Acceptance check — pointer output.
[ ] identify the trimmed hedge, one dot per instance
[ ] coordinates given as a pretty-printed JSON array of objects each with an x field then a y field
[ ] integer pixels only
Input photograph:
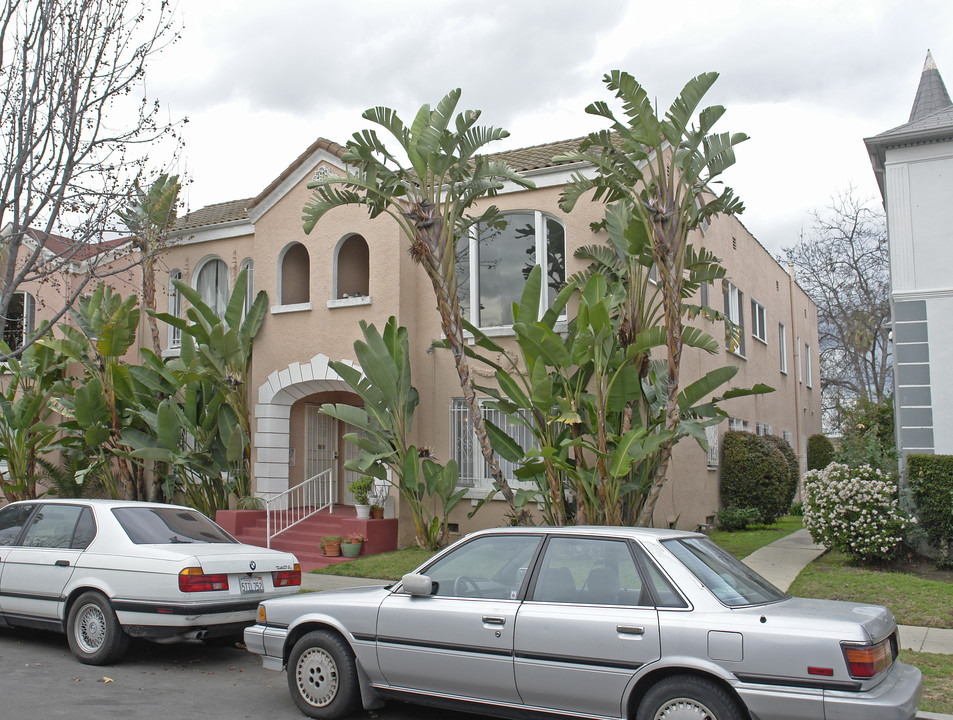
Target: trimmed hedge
[
  {"x": 931, "y": 479},
  {"x": 794, "y": 467},
  {"x": 820, "y": 452},
  {"x": 754, "y": 474}
]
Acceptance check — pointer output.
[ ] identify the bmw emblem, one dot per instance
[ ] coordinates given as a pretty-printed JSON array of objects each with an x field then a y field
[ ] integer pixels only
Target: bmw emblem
[{"x": 252, "y": 565}]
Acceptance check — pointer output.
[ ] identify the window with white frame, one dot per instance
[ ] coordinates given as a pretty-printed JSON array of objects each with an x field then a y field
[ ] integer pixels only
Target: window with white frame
[
  {"x": 788, "y": 437},
  {"x": 20, "y": 320},
  {"x": 762, "y": 428},
  {"x": 807, "y": 364},
  {"x": 175, "y": 308},
  {"x": 734, "y": 310},
  {"x": 711, "y": 435},
  {"x": 464, "y": 448},
  {"x": 759, "y": 327},
  {"x": 738, "y": 424},
  {"x": 800, "y": 360},
  {"x": 783, "y": 347},
  {"x": 493, "y": 264},
  {"x": 211, "y": 282}
]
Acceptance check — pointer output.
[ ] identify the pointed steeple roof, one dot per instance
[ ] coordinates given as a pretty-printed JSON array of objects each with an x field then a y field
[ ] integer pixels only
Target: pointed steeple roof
[{"x": 931, "y": 94}]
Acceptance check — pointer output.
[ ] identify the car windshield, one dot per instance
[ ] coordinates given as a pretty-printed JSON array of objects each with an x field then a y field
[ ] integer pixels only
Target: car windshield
[
  {"x": 163, "y": 526},
  {"x": 726, "y": 577}
]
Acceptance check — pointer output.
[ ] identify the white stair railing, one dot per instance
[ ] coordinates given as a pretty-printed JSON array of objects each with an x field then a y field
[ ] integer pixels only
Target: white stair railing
[{"x": 299, "y": 503}]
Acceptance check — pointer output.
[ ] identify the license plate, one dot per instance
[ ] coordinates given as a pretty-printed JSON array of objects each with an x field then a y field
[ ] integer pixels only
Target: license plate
[{"x": 251, "y": 585}]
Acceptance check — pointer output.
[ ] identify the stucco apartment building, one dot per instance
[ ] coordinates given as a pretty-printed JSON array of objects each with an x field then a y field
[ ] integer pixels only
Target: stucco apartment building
[{"x": 351, "y": 268}]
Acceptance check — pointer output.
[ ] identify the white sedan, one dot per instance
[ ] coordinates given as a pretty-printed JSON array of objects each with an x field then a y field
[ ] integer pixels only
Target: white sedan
[{"x": 103, "y": 571}]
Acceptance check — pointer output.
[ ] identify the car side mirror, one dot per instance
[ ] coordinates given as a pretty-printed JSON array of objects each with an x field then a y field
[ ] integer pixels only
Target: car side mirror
[{"x": 417, "y": 585}]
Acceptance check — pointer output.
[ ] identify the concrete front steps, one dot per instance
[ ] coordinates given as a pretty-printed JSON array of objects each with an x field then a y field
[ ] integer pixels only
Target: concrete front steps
[{"x": 304, "y": 538}]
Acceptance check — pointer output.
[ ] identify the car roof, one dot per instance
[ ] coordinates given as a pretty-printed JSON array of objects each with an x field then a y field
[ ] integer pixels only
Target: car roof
[
  {"x": 639, "y": 533},
  {"x": 98, "y": 502}
]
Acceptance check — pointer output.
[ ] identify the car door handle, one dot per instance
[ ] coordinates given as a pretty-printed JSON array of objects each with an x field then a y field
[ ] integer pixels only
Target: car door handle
[
  {"x": 494, "y": 620},
  {"x": 62, "y": 563},
  {"x": 630, "y": 629}
]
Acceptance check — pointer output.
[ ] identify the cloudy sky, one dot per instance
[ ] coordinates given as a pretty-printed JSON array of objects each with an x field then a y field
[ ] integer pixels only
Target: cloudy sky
[{"x": 807, "y": 80}]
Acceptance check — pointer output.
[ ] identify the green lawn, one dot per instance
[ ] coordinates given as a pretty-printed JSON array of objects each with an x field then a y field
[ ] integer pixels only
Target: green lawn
[
  {"x": 937, "y": 680},
  {"x": 742, "y": 543},
  {"x": 912, "y": 600},
  {"x": 386, "y": 566}
]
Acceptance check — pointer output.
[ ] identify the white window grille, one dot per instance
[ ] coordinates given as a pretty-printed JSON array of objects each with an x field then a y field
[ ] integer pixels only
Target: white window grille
[
  {"x": 788, "y": 437},
  {"x": 711, "y": 435},
  {"x": 800, "y": 360},
  {"x": 464, "y": 448},
  {"x": 175, "y": 309},
  {"x": 807, "y": 364},
  {"x": 738, "y": 424},
  {"x": 762, "y": 428}
]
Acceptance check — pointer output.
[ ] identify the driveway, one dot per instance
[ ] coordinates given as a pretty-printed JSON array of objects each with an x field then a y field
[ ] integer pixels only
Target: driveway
[{"x": 39, "y": 678}]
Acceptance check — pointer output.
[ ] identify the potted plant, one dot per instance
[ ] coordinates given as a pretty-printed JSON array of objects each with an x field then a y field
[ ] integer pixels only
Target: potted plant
[
  {"x": 377, "y": 511},
  {"x": 331, "y": 545},
  {"x": 352, "y": 543},
  {"x": 361, "y": 489}
]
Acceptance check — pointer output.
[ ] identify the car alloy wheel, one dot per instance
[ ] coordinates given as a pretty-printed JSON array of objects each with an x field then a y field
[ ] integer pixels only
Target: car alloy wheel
[
  {"x": 322, "y": 676},
  {"x": 317, "y": 676},
  {"x": 94, "y": 634},
  {"x": 688, "y": 697}
]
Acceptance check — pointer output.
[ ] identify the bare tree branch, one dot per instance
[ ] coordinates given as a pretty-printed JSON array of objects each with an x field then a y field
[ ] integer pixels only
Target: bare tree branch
[
  {"x": 76, "y": 128},
  {"x": 843, "y": 265}
]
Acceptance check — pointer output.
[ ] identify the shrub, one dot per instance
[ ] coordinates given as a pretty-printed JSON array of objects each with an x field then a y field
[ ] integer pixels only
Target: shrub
[
  {"x": 735, "y": 518},
  {"x": 820, "y": 452},
  {"x": 797, "y": 509},
  {"x": 794, "y": 467},
  {"x": 930, "y": 478},
  {"x": 754, "y": 474},
  {"x": 854, "y": 511}
]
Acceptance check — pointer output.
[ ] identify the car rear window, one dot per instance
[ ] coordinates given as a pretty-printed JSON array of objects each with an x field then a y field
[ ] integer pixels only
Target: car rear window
[
  {"x": 163, "y": 526},
  {"x": 732, "y": 582}
]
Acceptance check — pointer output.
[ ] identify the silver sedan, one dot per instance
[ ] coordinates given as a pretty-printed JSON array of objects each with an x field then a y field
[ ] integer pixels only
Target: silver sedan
[
  {"x": 591, "y": 621},
  {"x": 105, "y": 570}
]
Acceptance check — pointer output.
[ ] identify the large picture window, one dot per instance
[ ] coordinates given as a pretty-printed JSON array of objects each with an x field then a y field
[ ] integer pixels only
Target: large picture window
[{"x": 493, "y": 265}]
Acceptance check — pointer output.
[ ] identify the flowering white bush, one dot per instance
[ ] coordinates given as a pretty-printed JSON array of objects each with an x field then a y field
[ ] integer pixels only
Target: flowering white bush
[{"x": 854, "y": 511}]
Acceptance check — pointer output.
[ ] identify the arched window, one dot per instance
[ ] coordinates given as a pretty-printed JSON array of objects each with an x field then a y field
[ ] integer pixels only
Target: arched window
[
  {"x": 294, "y": 280},
  {"x": 20, "y": 321},
  {"x": 493, "y": 264},
  {"x": 212, "y": 284},
  {"x": 351, "y": 273},
  {"x": 175, "y": 308}
]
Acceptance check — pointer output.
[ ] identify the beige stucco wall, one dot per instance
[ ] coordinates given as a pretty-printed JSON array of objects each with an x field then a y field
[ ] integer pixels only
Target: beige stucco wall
[{"x": 292, "y": 347}]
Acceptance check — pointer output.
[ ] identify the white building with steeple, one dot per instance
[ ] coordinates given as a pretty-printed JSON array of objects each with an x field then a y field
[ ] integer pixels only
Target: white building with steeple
[{"x": 914, "y": 167}]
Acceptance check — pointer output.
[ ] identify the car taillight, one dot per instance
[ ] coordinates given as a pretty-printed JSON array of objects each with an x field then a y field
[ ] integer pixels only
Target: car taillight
[
  {"x": 194, "y": 579},
  {"x": 865, "y": 661},
  {"x": 286, "y": 578}
]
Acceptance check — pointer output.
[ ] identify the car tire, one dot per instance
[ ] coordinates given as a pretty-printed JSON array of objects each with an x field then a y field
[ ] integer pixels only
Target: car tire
[
  {"x": 688, "y": 696},
  {"x": 322, "y": 676},
  {"x": 94, "y": 634}
]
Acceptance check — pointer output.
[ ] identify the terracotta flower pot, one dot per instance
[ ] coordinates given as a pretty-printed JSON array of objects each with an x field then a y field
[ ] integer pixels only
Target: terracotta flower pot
[
  {"x": 377, "y": 513},
  {"x": 332, "y": 549}
]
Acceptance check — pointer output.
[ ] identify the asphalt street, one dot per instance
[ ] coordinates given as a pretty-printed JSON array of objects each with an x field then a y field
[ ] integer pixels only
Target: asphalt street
[{"x": 40, "y": 680}]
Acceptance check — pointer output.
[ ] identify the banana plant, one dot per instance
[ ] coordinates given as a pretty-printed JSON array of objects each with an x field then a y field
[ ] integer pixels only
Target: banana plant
[
  {"x": 431, "y": 200},
  {"x": 27, "y": 433},
  {"x": 212, "y": 408},
  {"x": 664, "y": 170},
  {"x": 102, "y": 404},
  {"x": 383, "y": 383}
]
